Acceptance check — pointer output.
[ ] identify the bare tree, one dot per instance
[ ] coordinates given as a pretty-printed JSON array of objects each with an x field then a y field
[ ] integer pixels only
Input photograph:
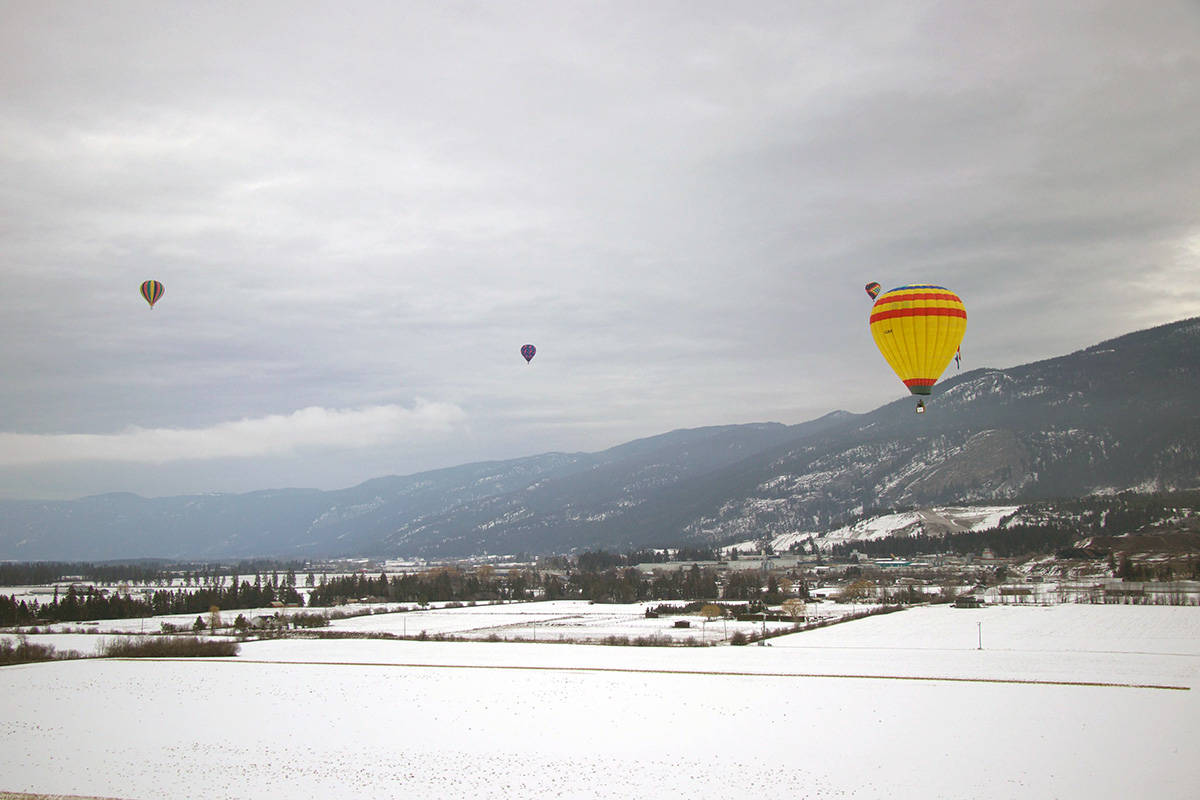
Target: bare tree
[
  {"x": 795, "y": 608},
  {"x": 710, "y": 612}
]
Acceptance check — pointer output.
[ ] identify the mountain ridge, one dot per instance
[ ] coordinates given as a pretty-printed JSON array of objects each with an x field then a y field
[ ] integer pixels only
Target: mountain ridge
[{"x": 1120, "y": 414}]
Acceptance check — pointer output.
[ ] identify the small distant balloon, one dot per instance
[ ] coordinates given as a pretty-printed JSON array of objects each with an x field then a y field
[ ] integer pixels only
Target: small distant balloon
[
  {"x": 528, "y": 351},
  {"x": 152, "y": 291},
  {"x": 873, "y": 289}
]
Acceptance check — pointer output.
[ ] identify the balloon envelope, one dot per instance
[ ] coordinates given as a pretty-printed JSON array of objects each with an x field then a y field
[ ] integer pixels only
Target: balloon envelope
[
  {"x": 152, "y": 291},
  {"x": 528, "y": 350},
  {"x": 873, "y": 289},
  {"x": 918, "y": 329}
]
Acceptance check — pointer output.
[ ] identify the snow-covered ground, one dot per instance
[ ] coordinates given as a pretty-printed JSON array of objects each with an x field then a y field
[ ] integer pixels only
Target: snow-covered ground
[
  {"x": 85, "y": 644},
  {"x": 181, "y": 622},
  {"x": 562, "y": 620},
  {"x": 956, "y": 519},
  {"x": 904, "y": 705}
]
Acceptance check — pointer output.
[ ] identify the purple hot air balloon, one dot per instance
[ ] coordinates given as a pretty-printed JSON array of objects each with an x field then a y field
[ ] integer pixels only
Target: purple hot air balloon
[{"x": 528, "y": 350}]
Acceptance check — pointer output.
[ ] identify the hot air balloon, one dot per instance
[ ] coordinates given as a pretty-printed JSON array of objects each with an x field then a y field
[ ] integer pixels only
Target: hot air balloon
[
  {"x": 528, "y": 350},
  {"x": 918, "y": 329},
  {"x": 152, "y": 291},
  {"x": 873, "y": 289}
]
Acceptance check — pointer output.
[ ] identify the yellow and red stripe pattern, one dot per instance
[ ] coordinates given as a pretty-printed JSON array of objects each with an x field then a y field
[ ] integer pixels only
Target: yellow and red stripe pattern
[{"x": 918, "y": 328}]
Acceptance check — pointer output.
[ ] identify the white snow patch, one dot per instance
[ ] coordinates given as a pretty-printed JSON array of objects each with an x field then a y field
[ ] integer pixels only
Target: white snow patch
[
  {"x": 402, "y": 719},
  {"x": 910, "y": 523}
]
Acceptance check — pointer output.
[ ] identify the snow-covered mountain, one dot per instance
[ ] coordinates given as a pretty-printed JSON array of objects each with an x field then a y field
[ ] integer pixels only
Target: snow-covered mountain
[
  {"x": 924, "y": 521},
  {"x": 1124, "y": 414},
  {"x": 928, "y": 521}
]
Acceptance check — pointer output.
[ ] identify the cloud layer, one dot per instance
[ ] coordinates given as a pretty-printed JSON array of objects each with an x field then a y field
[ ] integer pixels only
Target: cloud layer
[
  {"x": 677, "y": 202},
  {"x": 310, "y": 428}
]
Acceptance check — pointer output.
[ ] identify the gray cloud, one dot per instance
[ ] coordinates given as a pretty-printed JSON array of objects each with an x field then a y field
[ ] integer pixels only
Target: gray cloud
[
  {"x": 307, "y": 428},
  {"x": 677, "y": 202}
]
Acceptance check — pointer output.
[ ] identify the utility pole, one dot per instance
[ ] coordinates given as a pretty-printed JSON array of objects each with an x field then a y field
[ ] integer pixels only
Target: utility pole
[
  {"x": 765, "y": 572},
  {"x": 980, "y": 624}
]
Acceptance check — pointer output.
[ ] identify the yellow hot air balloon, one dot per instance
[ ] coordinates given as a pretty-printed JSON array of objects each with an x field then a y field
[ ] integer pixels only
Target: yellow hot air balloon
[{"x": 918, "y": 329}]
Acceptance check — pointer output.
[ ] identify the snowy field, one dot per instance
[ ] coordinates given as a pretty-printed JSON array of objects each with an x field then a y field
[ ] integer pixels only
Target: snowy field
[
  {"x": 181, "y": 622},
  {"x": 1066, "y": 701},
  {"x": 563, "y": 620}
]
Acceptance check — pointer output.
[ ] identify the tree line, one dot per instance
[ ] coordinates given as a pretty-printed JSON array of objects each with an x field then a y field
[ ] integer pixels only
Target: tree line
[
  {"x": 599, "y": 577},
  {"x": 1010, "y": 542},
  {"x": 85, "y": 605},
  {"x": 612, "y": 585},
  {"x": 147, "y": 572},
  {"x": 597, "y": 561}
]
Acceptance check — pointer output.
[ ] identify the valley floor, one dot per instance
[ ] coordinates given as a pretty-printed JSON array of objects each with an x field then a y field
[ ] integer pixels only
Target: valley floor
[{"x": 1062, "y": 701}]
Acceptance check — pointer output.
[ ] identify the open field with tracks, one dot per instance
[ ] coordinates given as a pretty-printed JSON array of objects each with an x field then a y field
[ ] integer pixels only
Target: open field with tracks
[{"x": 906, "y": 705}]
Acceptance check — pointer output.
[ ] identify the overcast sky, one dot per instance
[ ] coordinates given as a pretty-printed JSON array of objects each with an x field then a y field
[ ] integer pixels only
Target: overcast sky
[{"x": 361, "y": 211}]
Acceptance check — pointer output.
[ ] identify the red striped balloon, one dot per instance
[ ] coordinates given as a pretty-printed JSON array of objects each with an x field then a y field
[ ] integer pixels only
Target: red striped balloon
[
  {"x": 152, "y": 291},
  {"x": 918, "y": 328}
]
